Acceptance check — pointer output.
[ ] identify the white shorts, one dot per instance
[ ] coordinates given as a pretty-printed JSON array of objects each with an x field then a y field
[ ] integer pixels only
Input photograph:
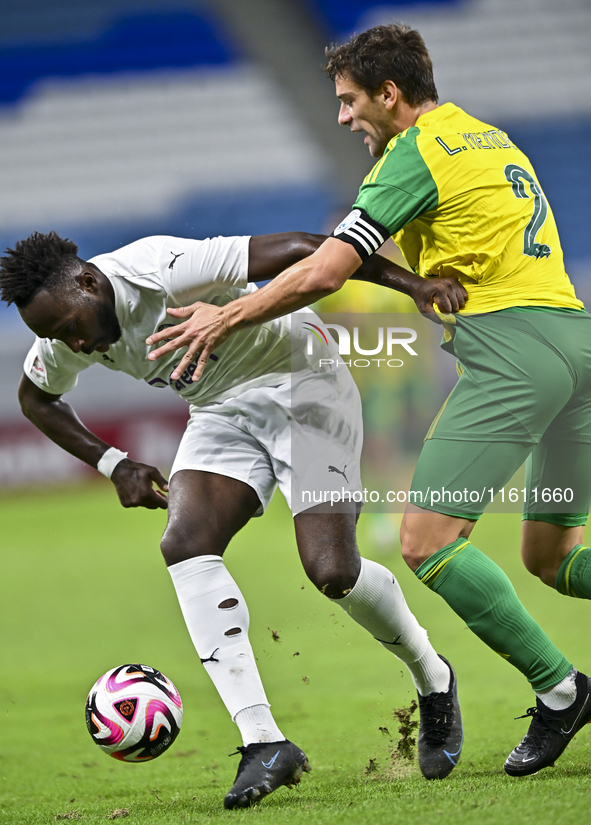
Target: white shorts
[{"x": 304, "y": 436}]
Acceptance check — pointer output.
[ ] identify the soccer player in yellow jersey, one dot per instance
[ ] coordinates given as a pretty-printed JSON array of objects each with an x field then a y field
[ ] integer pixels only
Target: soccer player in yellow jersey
[{"x": 459, "y": 197}]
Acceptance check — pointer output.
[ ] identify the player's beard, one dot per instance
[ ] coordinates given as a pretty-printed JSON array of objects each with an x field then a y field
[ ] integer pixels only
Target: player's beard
[{"x": 109, "y": 323}]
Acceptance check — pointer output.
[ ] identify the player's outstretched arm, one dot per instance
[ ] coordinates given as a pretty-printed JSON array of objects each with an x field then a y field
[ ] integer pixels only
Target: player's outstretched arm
[
  {"x": 207, "y": 326},
  {"x": 58, "y": 421},
  {"x": 326, "y": 265},
  {"x": 447, "y": 294},
  {"x": 269, "y": 255}
]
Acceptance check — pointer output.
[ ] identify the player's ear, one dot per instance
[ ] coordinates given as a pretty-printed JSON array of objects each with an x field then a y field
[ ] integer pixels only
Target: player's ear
[
  {"x": 389, "y": 93},
  {"x": 87, "y": 280}
]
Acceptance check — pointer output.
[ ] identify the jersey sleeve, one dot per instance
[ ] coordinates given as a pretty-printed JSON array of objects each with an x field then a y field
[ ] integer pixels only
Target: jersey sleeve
[
  {"x": 399, "y": 189},
  {"x": 201, "y": 270},
  {"x": 53, "y": 367}
]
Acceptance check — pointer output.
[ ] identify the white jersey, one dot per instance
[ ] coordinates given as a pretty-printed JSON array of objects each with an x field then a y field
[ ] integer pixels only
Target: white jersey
[{"x": 150, "y": 275}]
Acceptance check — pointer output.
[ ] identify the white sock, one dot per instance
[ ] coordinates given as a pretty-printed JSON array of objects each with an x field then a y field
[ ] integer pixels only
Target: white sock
[
  {"x": 562, "y": 695},
  {"x": 377, "y": 604},
  {"x": 256, "y": 724},
  {"x": 217, "y": 619}
]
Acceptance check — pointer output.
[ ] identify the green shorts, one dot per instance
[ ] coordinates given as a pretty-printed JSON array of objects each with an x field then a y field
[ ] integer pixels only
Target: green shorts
[{"x": 524, "y": 395}]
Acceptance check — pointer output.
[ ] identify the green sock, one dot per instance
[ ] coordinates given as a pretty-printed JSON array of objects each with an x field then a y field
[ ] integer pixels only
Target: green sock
[
  {"x": 482, "y": 595},
  {"x": 574, "y": 574}
]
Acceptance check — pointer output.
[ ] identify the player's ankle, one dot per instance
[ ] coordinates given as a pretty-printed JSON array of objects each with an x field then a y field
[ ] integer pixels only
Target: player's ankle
[
  {"x": 562, "y": 695},
  {"x": 429, "y": 673},
  {"x": 256, "y": 725}
]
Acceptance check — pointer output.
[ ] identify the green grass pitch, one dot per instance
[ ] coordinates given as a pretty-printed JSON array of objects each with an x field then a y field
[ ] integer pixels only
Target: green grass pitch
[{"x": 84, "y": 588}]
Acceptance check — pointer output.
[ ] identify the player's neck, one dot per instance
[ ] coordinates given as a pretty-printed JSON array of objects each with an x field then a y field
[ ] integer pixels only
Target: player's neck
[{"x": 406, "y": 116}]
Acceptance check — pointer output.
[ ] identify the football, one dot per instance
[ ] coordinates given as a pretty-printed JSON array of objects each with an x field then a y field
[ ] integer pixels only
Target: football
[{"x": 134, "y": 713}]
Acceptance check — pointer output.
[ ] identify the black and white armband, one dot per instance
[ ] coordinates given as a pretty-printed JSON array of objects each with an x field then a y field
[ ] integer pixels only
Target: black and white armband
[{"x": 365, "y": 234}]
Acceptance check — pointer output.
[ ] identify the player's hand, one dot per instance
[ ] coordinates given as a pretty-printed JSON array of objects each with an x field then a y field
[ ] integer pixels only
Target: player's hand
[
  {"x": 446, "y": 293},
  {"x": 204, "y": 330},
  {"x": 133, "y": 482}
]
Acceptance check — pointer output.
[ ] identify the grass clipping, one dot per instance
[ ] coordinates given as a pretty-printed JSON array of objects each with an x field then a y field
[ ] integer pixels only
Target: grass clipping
[{"x": 401, "y": 753}]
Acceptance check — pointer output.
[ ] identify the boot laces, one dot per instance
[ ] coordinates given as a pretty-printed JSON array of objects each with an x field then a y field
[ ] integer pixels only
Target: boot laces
[
  {"x": 539, "y": 727},
  {"x": 438, "y": 715}
]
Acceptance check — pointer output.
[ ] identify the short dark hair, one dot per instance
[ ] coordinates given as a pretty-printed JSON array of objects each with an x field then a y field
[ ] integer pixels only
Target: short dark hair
[
  {"x": 40, "y": 261},
  {"x": 393, "y": 52}
]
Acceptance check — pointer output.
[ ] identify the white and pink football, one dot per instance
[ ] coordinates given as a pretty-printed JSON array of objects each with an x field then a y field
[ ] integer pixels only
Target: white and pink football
[{"x": 134, "y": 713}]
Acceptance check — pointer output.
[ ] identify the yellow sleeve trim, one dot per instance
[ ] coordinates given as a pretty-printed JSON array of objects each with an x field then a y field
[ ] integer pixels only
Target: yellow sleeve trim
[{"x": 371, "y": 178}]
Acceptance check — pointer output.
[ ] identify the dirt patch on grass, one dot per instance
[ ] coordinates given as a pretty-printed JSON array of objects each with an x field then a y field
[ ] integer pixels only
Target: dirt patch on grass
[{"x": 399, "y": 761}]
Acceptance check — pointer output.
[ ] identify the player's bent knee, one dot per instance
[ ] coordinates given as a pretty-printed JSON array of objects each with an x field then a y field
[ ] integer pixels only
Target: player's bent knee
[
  {"x": 421, "y": 538},
  {"x": 412, "y": 551},
  {"x": 414, "y": 556},
  {"x": 531, "y": 564},
  {"x": 333, "y": 580},
  {"x": 415, "y": 550},
  {"x": 543, "y": 570},
  {"x": 181, "y": 544}
]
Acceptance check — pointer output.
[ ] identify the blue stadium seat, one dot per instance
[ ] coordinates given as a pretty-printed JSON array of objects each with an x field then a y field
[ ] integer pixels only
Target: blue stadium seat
[
  {"x": 559, "y": 154},
  {"x": 342, "y": 16},
  {"x": 168, "y": 40}
]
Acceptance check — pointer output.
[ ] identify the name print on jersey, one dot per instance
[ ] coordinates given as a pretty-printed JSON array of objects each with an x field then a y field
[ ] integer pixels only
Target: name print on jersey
[{"x": 493, "y": 139}]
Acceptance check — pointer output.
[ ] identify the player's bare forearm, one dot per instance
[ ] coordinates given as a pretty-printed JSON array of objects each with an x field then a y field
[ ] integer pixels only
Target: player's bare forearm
[
  {"x": 447, "y": 293},
  {"x": 301, "y": 284},
  {"x": 379, "y": 270},
  {"x": 270, "y": 255},
  {"x": 57, "y": 420}
]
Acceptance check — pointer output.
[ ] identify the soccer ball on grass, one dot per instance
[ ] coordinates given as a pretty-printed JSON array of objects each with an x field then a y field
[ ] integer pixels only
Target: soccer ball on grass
[{"x": 134, "y": 713}]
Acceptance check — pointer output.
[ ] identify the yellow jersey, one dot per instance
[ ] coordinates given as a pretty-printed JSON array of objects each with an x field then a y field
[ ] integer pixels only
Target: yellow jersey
[{"x": 459, "y": 198}]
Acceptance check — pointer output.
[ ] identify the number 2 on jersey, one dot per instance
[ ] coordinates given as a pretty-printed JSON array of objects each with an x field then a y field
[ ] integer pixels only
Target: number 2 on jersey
[{"x": 518, "y": 177}]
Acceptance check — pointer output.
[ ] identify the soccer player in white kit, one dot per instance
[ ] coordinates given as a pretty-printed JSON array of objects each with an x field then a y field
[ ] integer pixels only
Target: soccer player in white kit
[{"x": 235, "y": 451}]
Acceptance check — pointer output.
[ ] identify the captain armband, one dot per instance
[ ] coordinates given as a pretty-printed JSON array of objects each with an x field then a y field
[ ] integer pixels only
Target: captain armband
[{"x": 362, "y": 232}]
